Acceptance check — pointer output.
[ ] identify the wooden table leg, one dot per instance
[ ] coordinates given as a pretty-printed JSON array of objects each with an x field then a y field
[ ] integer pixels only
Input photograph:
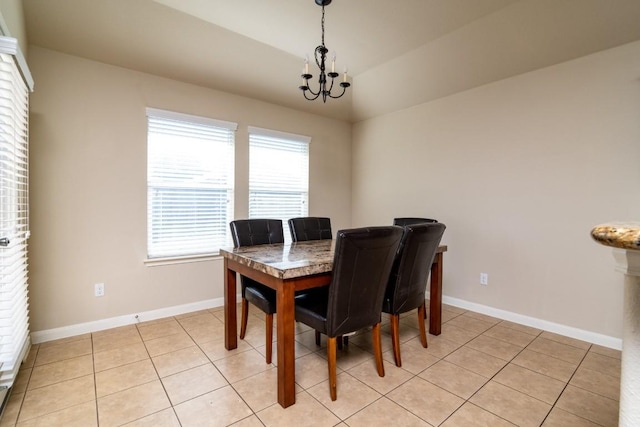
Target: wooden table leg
[
  {"x": 286, "y": 344},
  {"x": 435, "y": 296},
  {"x": 230, "y": 319}
]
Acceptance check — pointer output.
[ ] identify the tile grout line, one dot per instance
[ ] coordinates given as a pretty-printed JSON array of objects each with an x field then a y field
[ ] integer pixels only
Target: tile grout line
[
  {"x": 95, "y": 381},
  {"x": 413, "y": 376},
  {"x": 468, "y": 400},
  {"x": 173, "y": 409},
  {"x": 385, "y": 395},
  {"x": 567, "y": 385},
  {"x": 26, "y": 387},
  {"x": 539, "y": 335},
  {"x": 253, "y": 413}
]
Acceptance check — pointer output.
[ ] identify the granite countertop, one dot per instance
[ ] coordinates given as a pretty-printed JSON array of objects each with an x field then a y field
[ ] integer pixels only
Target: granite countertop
[
  {"x": 288, "y": 260},
  {"x": 623, "y": 235}
]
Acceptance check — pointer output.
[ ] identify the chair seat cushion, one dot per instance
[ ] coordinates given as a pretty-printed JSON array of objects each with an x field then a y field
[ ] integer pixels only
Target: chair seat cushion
[
  {"x": 311, "y": 308},
  {"x": 259, "y": 295}
]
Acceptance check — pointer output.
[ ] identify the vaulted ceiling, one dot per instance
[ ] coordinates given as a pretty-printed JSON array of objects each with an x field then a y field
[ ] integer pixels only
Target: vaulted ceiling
[{"x": 399, "y": 53}]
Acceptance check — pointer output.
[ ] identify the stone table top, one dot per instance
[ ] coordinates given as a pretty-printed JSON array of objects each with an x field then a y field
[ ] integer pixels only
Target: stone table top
[
  {"x": 286, "y": 261},
  {"x": 622, "y": 235}
]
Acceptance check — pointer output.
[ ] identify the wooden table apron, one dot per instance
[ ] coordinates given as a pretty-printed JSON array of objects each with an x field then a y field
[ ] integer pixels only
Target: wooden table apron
[{"x": 285, "y": 290}]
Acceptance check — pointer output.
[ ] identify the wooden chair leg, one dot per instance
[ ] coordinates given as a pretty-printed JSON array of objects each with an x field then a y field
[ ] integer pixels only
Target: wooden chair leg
[
  {"x": 318, "y": 338},
  {"x": 395, "y": 338},
  {"x": 244, "y": 318},
  {"x": 331, "y": 356},
  {"x": 269, "y": 336},
  {"x": 423, "y": 333},
  {"x": 377, "y": 349}
]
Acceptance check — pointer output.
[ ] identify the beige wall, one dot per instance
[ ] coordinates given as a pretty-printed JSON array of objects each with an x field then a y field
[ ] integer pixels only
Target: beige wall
[
  {"x": 88, "y": 186},
  {"x": 519, "y": 171}
]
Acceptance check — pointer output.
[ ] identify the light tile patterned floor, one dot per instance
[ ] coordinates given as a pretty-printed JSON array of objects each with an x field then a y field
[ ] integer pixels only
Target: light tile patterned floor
[{"x": 480, "y": 371}]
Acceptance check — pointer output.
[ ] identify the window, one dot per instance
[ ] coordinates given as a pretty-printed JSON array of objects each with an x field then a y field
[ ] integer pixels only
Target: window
[
  {"x": 15, "y": 85},
  {"x": 278, "y": 175},
  {"x": 190, "y": 167}
]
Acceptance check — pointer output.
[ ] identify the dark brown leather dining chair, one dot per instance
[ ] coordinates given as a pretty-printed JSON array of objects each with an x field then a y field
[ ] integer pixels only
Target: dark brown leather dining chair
[
  {"x": 310, "y": 228},
  {"x": 410, "y": 221},
  {"x": 353, "y": 301},
  {"x": 408, "y": 279},
  {"x": 251, "y": 232}
]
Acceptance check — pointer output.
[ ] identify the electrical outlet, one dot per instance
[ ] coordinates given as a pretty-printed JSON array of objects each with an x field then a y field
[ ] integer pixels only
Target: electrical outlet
[
  {"x": 99, "y": 289},
  {"x": 484, "y": 279}
]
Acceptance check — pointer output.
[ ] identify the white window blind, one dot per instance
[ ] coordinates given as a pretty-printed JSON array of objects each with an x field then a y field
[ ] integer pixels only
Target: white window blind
[
  {"x": 14, "y": 210},
  {"x": 190, "y": 175},
  {"x": 278, "y": 175}
]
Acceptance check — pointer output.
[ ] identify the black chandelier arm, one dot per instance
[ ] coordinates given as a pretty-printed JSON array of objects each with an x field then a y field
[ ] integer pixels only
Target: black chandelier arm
[
  {"x": 344, "y": 86},
  {"x": 307, "y": 88},
  {"x": 312, "y": 98}
]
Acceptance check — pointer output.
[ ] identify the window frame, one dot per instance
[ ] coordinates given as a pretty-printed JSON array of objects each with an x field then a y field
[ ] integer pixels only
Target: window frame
[{"x": 155, "y": 256}]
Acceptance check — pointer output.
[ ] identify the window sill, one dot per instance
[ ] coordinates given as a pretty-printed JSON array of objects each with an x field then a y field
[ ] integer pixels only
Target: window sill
[{"x": 154, "y": 262}]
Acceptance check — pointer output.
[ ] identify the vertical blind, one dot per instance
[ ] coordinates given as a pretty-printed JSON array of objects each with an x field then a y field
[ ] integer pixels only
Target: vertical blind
[
  {"x": 190, "y": 176},
  {"x": 278, "y": 175},
  {"x": 14, "y": 213}
]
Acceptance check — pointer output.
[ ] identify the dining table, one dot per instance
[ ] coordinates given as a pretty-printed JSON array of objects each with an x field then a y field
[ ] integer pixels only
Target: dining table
[{"x": 288, "y": 268}]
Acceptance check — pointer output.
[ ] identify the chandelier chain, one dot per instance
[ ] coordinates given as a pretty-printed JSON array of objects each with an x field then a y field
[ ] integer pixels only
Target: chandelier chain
[{"x": 322, "y": 25}]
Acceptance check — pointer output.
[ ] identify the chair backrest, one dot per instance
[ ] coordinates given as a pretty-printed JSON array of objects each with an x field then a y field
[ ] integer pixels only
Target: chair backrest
[
  {"x": 310, "y": 228},
  {"x": 411, "y": 267},
  {"x": 410, "y": 221},
  {"x": 250, "y": 232},
  {"x": 362, "y": 263}
]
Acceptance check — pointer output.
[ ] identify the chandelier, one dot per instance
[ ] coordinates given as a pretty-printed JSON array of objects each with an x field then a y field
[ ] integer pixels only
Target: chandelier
[{"x": 324, "y": 87}]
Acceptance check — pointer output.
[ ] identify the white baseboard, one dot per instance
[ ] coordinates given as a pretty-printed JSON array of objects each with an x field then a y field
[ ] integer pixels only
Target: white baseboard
[
  {"x": 568, "y": 331},
  {"x": 129, "y": 319},
  {"x": 99, "y": 325}
]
